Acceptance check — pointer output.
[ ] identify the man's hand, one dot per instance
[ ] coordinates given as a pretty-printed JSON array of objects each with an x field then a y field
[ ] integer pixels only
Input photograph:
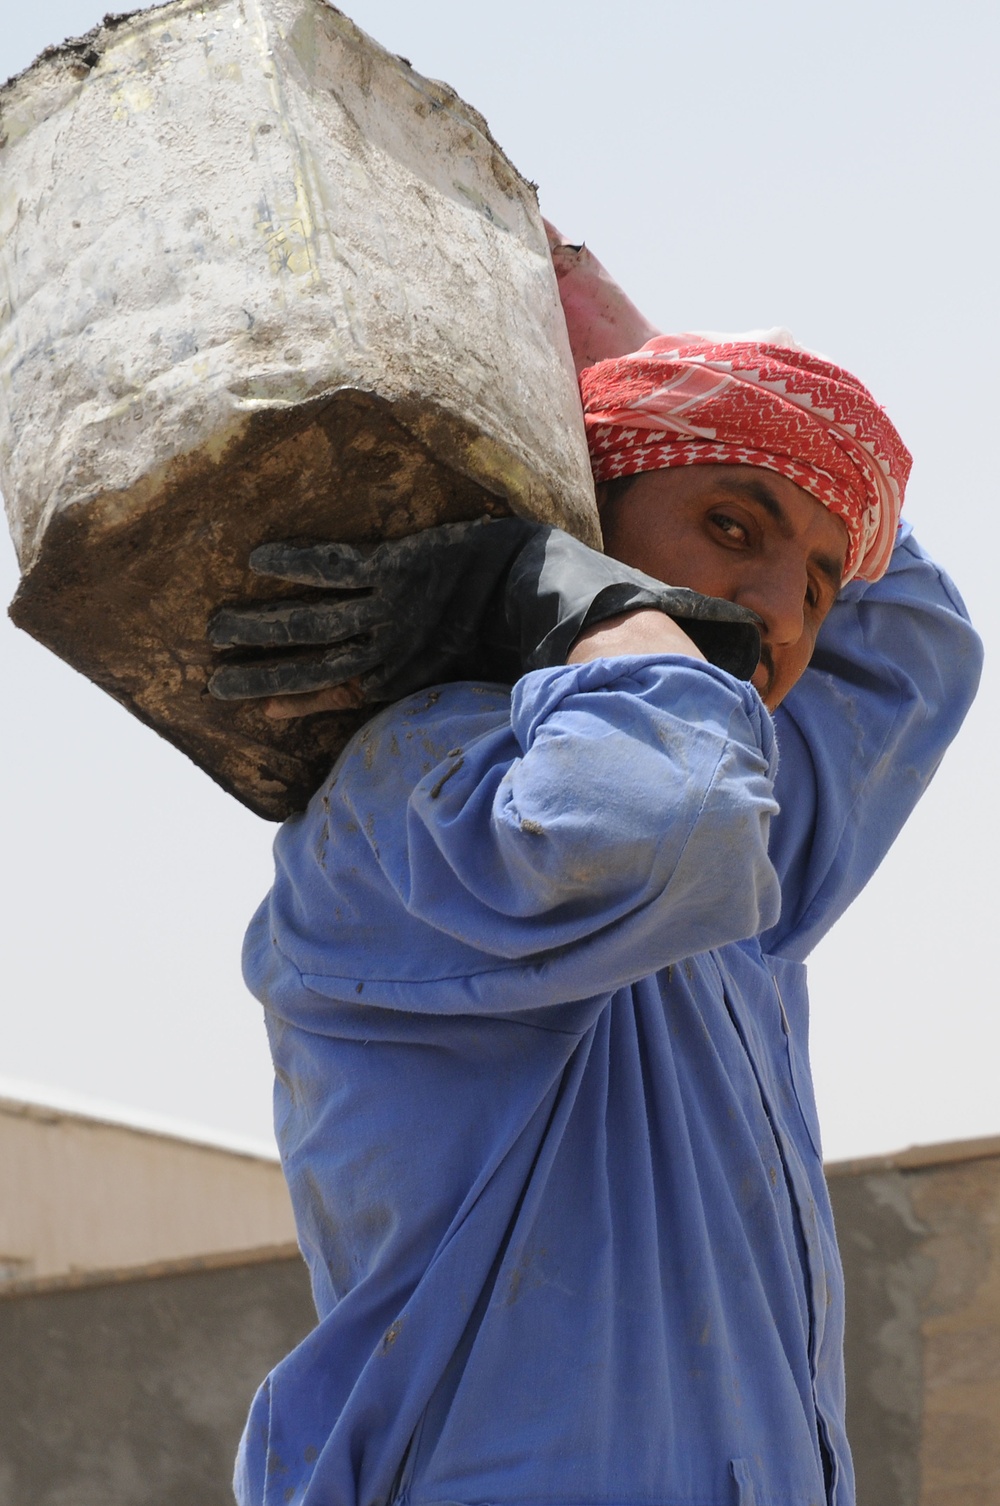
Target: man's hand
[
  {"x": 395, "y": 617},
  {"x": 488, "y": 600}
]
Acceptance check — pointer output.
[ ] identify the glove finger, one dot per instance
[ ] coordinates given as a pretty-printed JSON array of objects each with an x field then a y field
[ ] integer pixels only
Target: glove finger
[
  {"x": 340, "y": 565},
  {"x": 281, "y": 624},
  {"x": 252, "y": 681},
  {"x": 350, "y": 567}
]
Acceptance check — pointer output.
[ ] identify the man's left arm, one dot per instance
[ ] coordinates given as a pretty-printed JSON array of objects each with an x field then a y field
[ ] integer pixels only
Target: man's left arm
[{"x": 860, "y": 736}]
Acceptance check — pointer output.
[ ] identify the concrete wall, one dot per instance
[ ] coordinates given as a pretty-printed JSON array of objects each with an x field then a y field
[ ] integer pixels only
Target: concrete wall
[
  {"x": 920, "y": 1238},
  {"x": 80, "y": 1194},
  {"x": 132, "y": 1389},
  {"x": 134, "y": 1392}
]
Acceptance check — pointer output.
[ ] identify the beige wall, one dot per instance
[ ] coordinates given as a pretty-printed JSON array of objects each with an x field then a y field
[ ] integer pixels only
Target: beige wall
[
  {"x": 959, "y": 1207},
  {"x": 80, "y": 1194},
  {"x": 920, "y": 1236}
]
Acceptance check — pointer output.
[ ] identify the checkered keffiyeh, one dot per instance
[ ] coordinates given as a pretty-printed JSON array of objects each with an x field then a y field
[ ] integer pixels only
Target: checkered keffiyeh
[{"x": 699, "y": 400}]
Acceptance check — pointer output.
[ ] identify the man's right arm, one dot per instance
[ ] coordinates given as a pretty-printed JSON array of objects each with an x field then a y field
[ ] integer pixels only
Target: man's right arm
[{"x": 476, "y": 853}]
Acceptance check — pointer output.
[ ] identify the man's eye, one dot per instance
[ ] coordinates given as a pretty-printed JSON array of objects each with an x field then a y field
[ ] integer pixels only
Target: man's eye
[{"x": 730, "y": 527}]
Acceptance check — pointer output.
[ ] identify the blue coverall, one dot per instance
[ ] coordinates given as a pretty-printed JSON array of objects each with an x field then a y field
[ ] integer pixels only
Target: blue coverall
[{"x": 533, "y": 974}]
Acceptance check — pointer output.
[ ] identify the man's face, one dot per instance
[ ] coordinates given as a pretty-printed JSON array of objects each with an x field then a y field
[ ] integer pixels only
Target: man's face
[{"x": 747, "y": 535}]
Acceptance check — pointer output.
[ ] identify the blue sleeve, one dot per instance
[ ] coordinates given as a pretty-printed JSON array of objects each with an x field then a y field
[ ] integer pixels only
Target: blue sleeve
[
  {"x": 860, "y": 736},
  {"x": 610, "y": 819}
]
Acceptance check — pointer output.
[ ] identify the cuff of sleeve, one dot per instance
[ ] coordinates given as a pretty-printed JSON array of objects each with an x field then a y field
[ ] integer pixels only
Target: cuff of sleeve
[{"x": 690, "y": 689}]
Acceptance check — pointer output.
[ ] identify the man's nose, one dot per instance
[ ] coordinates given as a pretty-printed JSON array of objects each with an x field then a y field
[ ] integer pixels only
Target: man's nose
[{"x": 777, "y": 594}]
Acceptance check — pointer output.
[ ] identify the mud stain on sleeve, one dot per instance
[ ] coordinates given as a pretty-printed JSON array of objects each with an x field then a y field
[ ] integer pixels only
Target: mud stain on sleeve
[
  {"x": 435, "y": 792},
  {"x": 391, "y": 1335}
]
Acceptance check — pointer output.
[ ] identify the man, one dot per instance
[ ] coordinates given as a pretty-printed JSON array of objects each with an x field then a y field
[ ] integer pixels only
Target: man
[{"x": 533, "y": 970}]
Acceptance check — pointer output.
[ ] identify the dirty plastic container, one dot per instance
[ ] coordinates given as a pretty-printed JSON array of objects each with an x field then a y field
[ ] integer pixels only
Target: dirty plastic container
[{"x": 258, "y": 280}]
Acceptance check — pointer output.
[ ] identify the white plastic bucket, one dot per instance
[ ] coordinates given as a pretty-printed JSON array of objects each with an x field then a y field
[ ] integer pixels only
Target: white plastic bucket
[{"x": 258, "y": 279}]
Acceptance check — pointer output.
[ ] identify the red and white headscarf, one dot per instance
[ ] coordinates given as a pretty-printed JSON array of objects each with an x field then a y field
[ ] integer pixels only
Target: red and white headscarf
[{"x": 737, "y": 400}]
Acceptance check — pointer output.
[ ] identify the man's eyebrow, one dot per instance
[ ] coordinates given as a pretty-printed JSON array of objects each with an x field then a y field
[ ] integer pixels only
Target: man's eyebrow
[{"x": 752, "y": 486}]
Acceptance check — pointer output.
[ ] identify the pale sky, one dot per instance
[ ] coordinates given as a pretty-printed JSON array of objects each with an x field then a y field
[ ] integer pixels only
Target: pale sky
[{"x": 736, "y": 164}]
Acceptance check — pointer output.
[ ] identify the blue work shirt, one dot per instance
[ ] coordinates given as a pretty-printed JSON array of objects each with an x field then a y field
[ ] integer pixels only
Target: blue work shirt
[{"x": 532, "y": 969}]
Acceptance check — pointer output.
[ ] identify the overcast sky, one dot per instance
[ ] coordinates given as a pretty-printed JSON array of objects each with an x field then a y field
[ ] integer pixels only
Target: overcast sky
[{"x": 737, "y": 164}]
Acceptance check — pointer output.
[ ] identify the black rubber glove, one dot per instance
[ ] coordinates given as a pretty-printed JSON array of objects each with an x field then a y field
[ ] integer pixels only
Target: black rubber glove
[
  {"x": 399, "y": 615},
  {"x": 486, "y": 600},
  {"x": 557, "y": 587}
]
